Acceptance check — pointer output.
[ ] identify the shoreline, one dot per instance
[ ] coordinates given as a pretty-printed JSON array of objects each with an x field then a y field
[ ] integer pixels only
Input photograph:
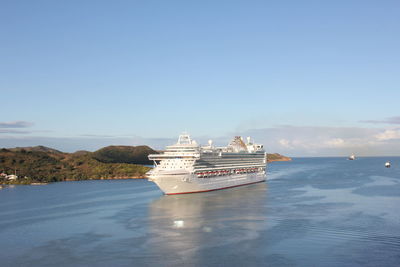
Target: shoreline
[
  {"x": 72, "y": 180},
  {"x": 105, "y": 178},
  {"x": 283, "y": 158},
  {"x": 274, "y": 160}
]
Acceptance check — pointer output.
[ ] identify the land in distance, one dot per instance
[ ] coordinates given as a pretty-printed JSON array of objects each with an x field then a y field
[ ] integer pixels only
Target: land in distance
[{"x": 41, "y": 164}]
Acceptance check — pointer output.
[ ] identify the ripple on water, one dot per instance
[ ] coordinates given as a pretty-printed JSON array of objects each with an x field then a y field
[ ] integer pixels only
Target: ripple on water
[{"x": 311, "y": 212}]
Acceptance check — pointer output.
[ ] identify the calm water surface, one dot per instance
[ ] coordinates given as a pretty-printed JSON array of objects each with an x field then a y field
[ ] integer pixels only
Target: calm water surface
[{"x": 311, "y": 212}]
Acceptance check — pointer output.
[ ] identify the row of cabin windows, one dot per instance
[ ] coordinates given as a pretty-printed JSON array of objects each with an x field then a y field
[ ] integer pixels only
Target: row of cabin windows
[
  {"x": 171, "y": 163},
  {"x": 224, "y": 172}
]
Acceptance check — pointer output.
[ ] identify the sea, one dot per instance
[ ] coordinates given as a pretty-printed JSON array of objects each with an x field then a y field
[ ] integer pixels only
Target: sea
[{"x": 310, "y": 212}]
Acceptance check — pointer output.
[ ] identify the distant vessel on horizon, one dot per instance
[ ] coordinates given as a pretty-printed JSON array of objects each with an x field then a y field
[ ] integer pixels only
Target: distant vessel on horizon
[
  {"x": 387, "y": 164},
  {"x": 352, "y": 157},
  {"x": 186, "y": 167}
]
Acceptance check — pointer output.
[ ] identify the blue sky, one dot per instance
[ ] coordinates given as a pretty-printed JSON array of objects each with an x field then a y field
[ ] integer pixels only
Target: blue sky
[{"x": 85, "y": 74}]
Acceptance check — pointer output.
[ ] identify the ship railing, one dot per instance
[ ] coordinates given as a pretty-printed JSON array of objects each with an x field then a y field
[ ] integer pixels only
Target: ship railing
[
  {"x": 232, "y": 167},
  {"x": 172, "y": 156},
  {"x": 213, "y": 173}
]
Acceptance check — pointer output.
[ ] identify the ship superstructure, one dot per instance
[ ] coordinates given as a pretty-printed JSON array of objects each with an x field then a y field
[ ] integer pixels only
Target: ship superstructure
[{"x": 187, "y": 167}]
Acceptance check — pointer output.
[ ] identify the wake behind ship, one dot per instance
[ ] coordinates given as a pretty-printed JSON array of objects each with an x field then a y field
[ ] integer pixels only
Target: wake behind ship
[{"x": 186, "y": 167}]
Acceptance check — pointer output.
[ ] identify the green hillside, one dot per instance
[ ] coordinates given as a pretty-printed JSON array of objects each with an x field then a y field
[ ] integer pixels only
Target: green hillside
[
  {"x": 124, "y": 154},
  {"x": 277, "y": 157},
  {"x": 48, "y": 165},
  {"x": 36, "y": 149}
]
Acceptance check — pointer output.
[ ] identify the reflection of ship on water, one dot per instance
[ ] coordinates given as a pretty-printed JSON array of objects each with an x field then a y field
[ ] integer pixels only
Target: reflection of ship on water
[{"x": 184, "y": 225}]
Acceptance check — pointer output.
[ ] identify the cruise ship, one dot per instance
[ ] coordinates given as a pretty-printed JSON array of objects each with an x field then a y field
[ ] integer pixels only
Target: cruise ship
[{"x": 187, "y": 167}]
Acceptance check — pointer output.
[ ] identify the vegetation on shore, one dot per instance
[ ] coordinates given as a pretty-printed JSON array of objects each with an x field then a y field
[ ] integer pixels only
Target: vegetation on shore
[
  {"x": 277, "y": 157},
  {"x": 42, "y": 164},
  {"x": 124, "y": 154}
]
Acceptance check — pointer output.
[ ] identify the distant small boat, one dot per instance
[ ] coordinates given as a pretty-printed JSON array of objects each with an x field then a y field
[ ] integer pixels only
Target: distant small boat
[
  {"x": 387, "y": 164},
  {"x": 352, "y": 157}
]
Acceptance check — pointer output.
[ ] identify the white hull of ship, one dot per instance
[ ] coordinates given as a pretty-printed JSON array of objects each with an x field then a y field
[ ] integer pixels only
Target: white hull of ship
[{"x": 190, "y": 183}]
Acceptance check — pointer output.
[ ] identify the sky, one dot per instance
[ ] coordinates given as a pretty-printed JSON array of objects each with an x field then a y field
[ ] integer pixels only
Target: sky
[{"x": 305, "y": 78}]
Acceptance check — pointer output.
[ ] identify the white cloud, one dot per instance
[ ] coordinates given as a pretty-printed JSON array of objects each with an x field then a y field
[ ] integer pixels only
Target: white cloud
[
  {"x": 335, "y": 142},
  {"x": 388, "y": 135},
  {"x": 285, "y": 143},
  {"x": 13, "y": 131},
  {"x": 327, "y": 141},
  {"x": 16, "y": 124},
  {"x": 391, "y": 120}
]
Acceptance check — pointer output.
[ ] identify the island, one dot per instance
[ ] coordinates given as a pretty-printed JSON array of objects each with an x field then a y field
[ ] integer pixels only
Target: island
[
  {"x": 277, "y": 157},
  {"x": 41, "y": 165}
]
